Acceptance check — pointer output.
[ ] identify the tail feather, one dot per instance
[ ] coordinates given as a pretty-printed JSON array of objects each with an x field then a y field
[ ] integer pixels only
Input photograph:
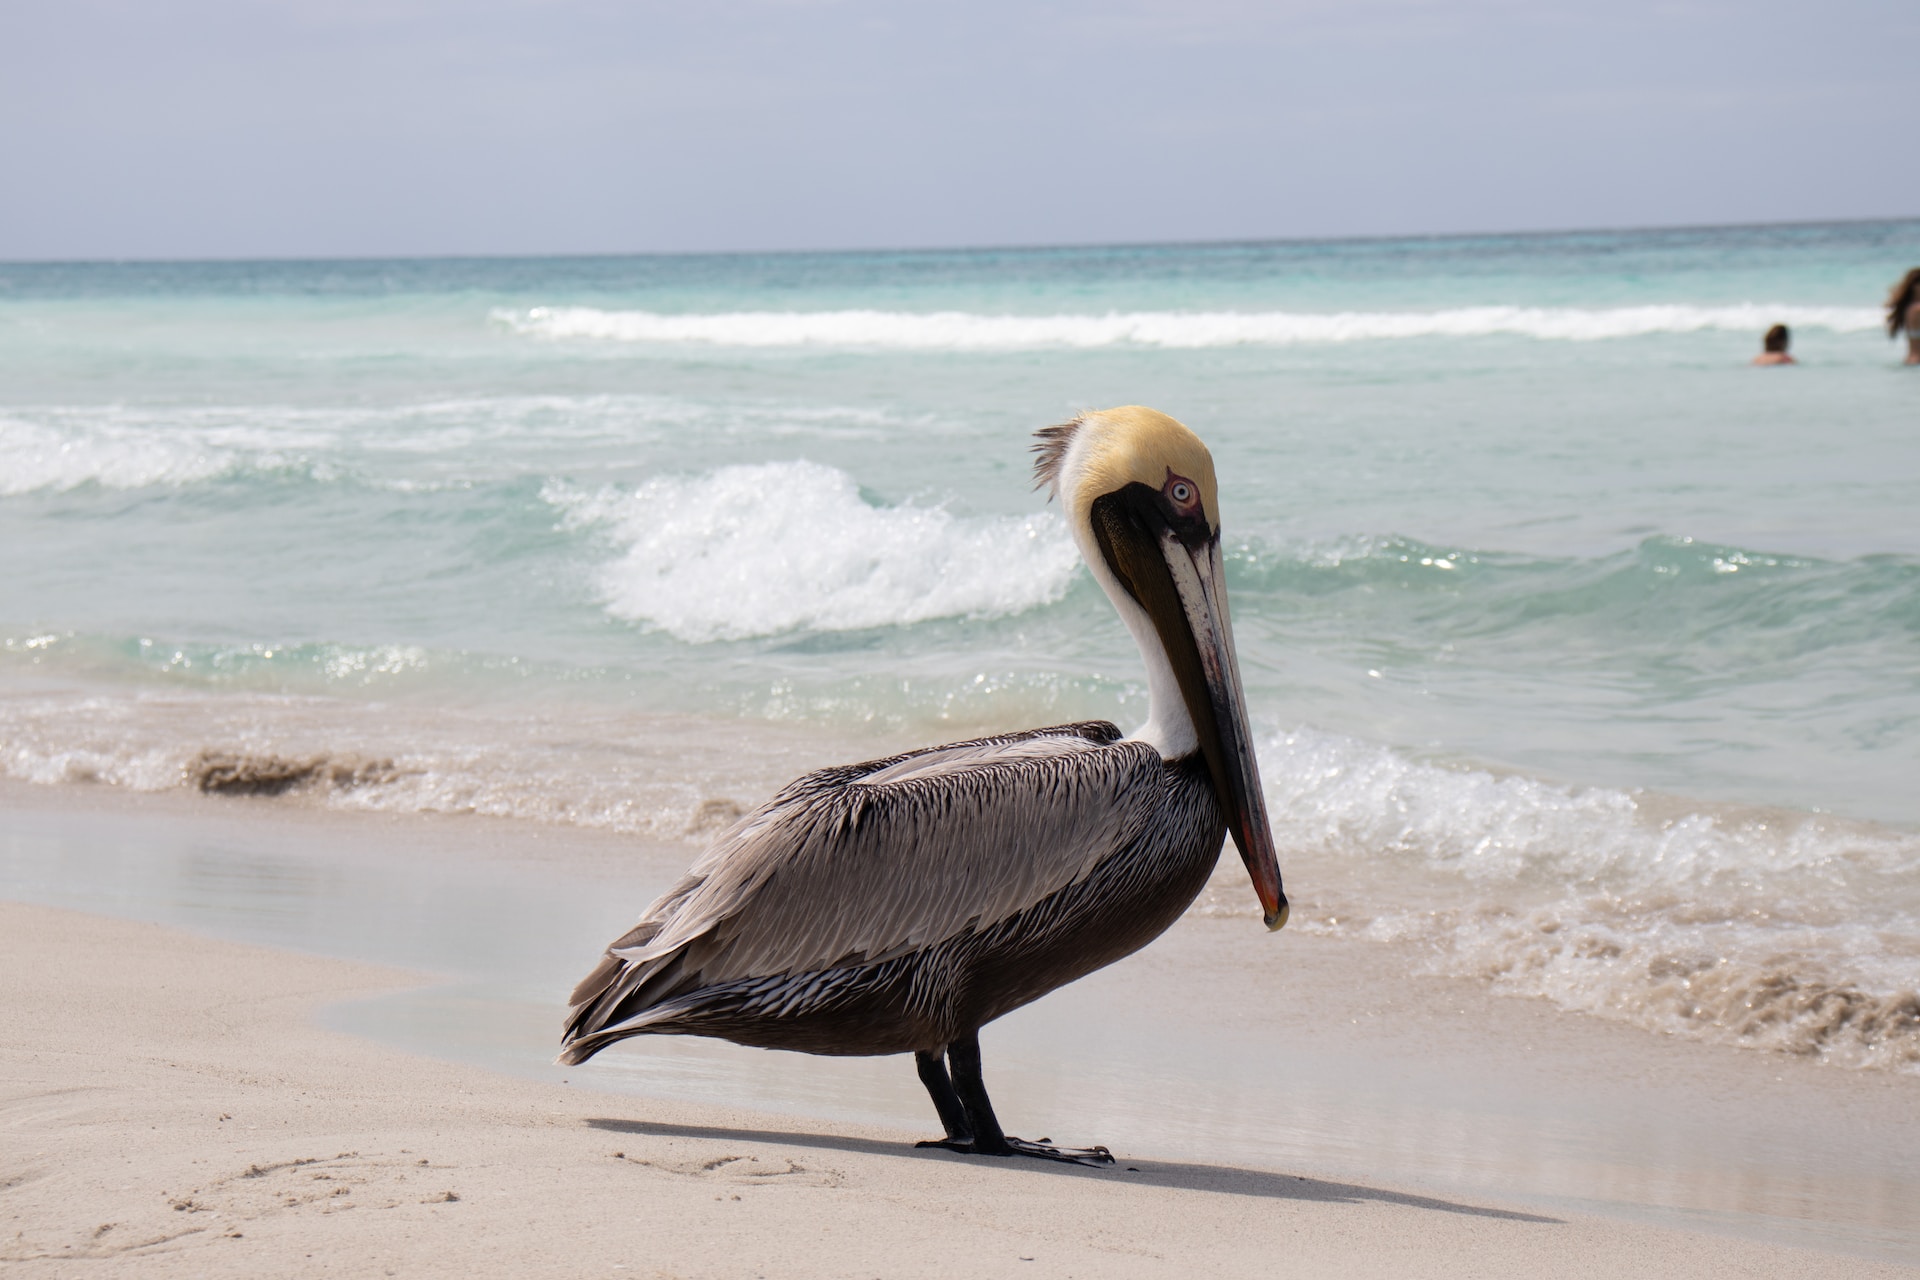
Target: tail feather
[
  {"x": 616, "y": 993},
  {"x": 582, "y": 1042}
]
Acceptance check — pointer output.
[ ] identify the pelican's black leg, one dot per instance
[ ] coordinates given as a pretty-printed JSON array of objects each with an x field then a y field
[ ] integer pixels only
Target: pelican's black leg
[
  {"x": 953, "y": 1116},
  {"x": 964, "y": 1054},
  {"x": 988, "y": 1139}
]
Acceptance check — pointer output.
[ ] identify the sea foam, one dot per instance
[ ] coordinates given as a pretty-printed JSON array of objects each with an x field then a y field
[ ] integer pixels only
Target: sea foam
[
  {"x": 410, "y": 447},
  {"x": 36, "y": 456},
  {"x": 967, "y": 331},
  {"x": 787, "y": 546},
  {"x": 1778, "y": 929}
]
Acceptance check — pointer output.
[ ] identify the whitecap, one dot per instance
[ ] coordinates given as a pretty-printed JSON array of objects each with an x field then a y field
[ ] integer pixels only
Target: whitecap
[
  {"x": 792, "y": 546},
  {"x": 446, "y": 444},
  {"x": 36, "y": 456},
  {"x": 968, "y": 331}
]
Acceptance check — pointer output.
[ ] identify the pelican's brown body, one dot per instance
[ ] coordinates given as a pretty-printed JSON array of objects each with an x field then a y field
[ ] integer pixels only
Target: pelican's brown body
[
  {"x": 902, "y": 904},
  {"x": 927, "y": 996}
]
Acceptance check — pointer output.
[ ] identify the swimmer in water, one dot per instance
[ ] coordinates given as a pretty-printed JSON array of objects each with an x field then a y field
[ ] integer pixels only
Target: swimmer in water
[
  {"x": 1774, "y": 347},
  {"x": 1903, "y": 312}
]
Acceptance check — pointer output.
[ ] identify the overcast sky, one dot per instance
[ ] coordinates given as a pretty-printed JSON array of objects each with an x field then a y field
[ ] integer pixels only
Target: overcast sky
[{"x": 247, "y": 128}]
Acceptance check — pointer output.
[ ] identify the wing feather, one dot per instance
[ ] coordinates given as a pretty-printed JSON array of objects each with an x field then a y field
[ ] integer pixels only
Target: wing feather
[{"x": 866, "y": 862}]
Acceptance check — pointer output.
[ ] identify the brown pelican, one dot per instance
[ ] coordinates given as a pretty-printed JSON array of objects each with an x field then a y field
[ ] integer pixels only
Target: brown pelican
[{"x": 900, "y": 905}]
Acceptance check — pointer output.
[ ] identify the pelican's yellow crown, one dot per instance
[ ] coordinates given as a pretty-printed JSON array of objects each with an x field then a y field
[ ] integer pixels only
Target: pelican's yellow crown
[{"x": 1113, "y": 448}]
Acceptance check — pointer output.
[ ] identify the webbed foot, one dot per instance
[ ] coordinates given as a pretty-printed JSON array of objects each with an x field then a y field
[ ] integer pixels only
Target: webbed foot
[{"x": 1092, "y": 1157}]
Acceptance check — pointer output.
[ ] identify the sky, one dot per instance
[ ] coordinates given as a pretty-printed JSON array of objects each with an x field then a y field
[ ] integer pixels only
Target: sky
[{"x": 355, "y": 128}]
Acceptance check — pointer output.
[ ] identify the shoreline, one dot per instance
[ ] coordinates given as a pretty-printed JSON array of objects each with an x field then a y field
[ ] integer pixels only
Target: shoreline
[
  {"x": 181, "y": 1113},
  {"x": 1212, "y": 1049}
]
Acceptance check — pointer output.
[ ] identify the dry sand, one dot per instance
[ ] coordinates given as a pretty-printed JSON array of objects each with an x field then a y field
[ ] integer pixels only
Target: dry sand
[{"x": 170, "y": 1107}]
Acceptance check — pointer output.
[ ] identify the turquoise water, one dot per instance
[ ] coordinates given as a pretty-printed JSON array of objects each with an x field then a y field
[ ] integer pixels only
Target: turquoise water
[{"x": 1555, "y": 613}]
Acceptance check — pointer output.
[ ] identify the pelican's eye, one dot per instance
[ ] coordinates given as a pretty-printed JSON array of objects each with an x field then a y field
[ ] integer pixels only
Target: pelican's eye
[{"x": 1182, "y": 494}]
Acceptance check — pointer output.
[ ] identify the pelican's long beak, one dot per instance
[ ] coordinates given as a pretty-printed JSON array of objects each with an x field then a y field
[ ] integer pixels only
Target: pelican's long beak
[
  {"x": 1179, "y": 581},
  {"x": 1219, "y": 711}
]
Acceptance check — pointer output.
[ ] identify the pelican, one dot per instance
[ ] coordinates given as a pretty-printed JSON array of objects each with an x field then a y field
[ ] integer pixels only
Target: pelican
[{"x": 899, "y": 905}]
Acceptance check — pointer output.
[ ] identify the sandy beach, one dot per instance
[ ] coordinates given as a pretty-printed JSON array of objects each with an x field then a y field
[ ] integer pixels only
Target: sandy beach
[{"x": 177, "y": 1104}]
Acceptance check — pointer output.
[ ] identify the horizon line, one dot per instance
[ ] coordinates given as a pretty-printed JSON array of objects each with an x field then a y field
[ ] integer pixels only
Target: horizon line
[{"x": 1258, "y": 242}]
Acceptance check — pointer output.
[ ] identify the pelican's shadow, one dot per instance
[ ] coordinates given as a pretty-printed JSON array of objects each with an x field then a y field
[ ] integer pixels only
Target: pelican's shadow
[{"x": 1224, "y": 1179}]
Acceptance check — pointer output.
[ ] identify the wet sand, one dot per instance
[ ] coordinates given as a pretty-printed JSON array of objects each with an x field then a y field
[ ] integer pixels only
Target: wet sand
[{"x": 1311, "y": 1107}]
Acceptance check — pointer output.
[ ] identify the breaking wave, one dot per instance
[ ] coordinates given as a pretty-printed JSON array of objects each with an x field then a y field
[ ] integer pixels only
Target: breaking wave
[
  {"x": 39, "y": 456},
  {"x": 787, "y": 546},
  {"x": 1770, "y": 928},
  {"x": 408, "y": 447},
  {"x": 967, "y": 331}
]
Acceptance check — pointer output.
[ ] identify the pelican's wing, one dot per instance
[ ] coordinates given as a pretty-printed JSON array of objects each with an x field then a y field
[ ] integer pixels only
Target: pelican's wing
[{"x": 859, "y": 864}]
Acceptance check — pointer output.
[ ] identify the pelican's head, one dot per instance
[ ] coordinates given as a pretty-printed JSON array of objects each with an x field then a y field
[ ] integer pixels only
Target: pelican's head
[{"x": 1141, "y": 499}]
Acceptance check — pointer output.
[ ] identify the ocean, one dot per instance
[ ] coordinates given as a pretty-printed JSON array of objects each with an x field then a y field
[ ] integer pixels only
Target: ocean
[{"x": 1585, "y": 657}]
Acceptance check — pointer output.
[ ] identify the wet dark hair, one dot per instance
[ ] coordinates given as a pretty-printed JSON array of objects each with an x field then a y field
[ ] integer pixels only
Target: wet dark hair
[
  {"x": 1777, "y": 338},
  {"x": 1904, "y": 295}
]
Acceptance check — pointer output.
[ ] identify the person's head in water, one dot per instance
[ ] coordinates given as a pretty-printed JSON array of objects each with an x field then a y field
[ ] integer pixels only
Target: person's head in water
[
  {"x": 1903, "y": 312},
  {"x": 1774, "y": 346}
]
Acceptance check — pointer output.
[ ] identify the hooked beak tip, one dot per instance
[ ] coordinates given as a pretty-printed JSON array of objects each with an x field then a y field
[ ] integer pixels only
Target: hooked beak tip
[{"x": 1277, "y": 918}]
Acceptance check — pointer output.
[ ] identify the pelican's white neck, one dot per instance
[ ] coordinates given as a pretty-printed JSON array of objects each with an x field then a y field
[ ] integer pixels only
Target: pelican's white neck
[{"x": 1169, "y": 727}]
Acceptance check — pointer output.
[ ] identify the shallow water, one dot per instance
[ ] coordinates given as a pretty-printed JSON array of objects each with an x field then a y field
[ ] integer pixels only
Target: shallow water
[{"x": 1554, "y": 613}]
